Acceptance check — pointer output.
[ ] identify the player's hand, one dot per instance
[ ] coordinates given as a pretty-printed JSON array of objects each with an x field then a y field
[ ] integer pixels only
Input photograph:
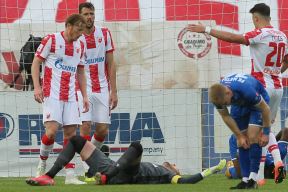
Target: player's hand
[
  {"x": 243, "y": 141},
  {"x": 85, "y": 105},
  {"x": 113, "y": 100},
  {"x": 263, "y": 141},
  {"x": 196, "y": 28},
  {"x": 38, "y": 95}
]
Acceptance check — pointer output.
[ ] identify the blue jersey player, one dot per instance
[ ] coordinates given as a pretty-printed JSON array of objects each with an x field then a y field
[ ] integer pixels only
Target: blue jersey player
[{"x": 248, "y": 118}]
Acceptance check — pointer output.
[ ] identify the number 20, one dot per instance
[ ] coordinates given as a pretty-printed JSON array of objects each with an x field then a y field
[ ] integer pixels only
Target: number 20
[{"x": 278, "y": 49}]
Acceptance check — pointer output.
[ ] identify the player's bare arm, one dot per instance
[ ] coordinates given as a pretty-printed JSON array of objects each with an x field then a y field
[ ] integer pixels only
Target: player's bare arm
[
  {"x": 82, "y": 85},
  {"x": 229, "y": 121},
  {"x": 263, "y": 106},
  {"x": 284, "y": 64},
  {"x": 35, "y": 72},
  {"x": 223, "y": 35},
  {"x": 113, "y": 100}
]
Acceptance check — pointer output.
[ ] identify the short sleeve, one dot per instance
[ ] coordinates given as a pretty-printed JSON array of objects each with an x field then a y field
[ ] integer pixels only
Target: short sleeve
[
  {"x": 109, "y": 46},
  {"x": 44, "y": 48},
  {"x": 83, "y": 54},
  {"x": 253, "y": 37}
]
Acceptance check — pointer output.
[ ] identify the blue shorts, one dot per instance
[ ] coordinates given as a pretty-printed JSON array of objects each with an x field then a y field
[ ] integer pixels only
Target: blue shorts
[{"x": 245, "y": 116}]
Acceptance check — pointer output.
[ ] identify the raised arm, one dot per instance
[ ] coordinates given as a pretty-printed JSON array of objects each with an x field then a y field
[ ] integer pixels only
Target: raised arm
[{"x": 223, "y": 35}]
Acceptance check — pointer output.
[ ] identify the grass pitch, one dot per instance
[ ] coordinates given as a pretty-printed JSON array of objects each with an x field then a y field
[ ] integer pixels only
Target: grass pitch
[{"x": 210, "y": 184}]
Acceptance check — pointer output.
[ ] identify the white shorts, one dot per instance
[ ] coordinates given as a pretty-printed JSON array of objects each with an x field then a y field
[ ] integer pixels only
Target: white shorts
[
  {"x": 275, "y": 100},
  {"x": 65, "y": 113},
  {"x": 99, "y": 110}
]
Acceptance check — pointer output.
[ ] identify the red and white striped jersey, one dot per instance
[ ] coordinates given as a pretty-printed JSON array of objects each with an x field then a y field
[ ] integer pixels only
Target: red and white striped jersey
[
  {"x": 268, "y": 46},
  {"x": 61, "y": 60},
  {"x": 97, "y": 44}
]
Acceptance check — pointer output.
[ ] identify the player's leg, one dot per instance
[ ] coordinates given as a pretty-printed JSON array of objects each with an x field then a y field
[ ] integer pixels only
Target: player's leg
[
  {"x": 52, "y": 118},
  {"x": 76, "y": 144},
  {"x": 127, "y": 166},
  {"x": 200, "y": 176},
  {"x": 255, "y": 152},
  {"x": 85, "y": 128},
  {"x": 71, "y": 120},
  {"x": 274, "y": 103},
  {"x": 101, "y": 116}
]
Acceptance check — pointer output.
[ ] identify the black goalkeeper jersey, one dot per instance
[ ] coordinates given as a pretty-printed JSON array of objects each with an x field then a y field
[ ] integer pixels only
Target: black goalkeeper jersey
[{"x": 153, "y": 174}]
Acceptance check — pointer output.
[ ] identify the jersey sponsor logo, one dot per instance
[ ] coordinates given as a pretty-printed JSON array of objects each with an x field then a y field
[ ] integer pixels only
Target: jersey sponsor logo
[
  {"x": 272, "y": 71},
  {"x": 94, "y": 60},
  {"x": 6, "y": 125},
  {"x": 59, "y": 65},
  {"x": 194, "y": 45}
]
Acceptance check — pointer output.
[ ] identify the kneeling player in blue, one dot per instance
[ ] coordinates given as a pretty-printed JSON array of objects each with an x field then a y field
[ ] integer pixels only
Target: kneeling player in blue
[
  {"x": 233, "y": 168},
  {"x": 127, "y": 170},
  {"x": 248, "y": 118}
]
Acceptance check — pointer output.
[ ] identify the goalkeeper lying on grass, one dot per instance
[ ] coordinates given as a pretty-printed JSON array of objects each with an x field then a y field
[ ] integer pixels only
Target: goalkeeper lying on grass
[{"x": 127, "y": 170}]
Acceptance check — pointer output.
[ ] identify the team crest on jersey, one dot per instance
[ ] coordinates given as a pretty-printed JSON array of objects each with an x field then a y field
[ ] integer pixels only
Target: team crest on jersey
[
  {"x": 194, "y": 45},
  {"x": 99, "y": 39},
  {"x": 78, "y": 50}
]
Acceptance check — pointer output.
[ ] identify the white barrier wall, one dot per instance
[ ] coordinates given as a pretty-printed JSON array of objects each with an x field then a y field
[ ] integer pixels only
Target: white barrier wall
[{"x": 166, "y": 122}]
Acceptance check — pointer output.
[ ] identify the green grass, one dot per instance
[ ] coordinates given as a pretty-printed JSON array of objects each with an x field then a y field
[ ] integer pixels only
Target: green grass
[{"x": 210, "y": 184}]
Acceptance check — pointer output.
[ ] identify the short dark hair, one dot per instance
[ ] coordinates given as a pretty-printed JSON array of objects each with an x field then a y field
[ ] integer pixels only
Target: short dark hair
[
  {"x": 74, "y": 19},
  {"x": 86, "y": 5},
  {"x": 262, "y": 9}
]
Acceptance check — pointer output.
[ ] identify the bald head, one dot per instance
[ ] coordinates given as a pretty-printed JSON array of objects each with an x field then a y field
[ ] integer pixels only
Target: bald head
[{"x": 217, "y": 94}]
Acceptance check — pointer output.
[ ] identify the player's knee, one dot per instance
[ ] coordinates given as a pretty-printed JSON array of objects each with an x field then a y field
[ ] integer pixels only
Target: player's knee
[
  {"x": 78, "y": 143},
  {"x": 85, "y": 128},
  {"x": 137, "y": 146},
  {"x": 101, "y": 130}
]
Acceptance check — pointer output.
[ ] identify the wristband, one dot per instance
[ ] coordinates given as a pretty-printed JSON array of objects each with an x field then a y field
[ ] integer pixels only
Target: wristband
[
  {"x": 208, "y": 29},
  {"x": 266, "y": 130}
]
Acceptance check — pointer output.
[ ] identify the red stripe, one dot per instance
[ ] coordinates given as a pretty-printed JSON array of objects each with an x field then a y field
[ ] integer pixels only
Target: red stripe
[
  {"x": 64, "y": 85},
  {"x": 258, "y": 75},
  {"x": 276, "y": 81},
  {"x": 94, "y": 76},
  {"x": 65, "y": 142},
  {"x": 272, "y": 147},
  {"x": 97, "y": 138},
  {"x": 46, "y": 141},
  {"x": 252, "y": 34},
  {"x": 69, "y": 48},
  {"x": 104, "y": 31},
  {"x": 90, "y": 41},
  {"x": 70, "y": 166},
  {"x": 52, "y": 50},
  {"x": 82, "y": 49},
  {"x": 86, "y": 137},
  {"x": 47, "y": 81}
]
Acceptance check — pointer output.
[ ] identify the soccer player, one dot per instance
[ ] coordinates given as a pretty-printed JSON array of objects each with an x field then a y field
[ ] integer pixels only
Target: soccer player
[
  {"x": 249, "y": 113},
  {"x": 63, "y": 57},
  {"x": 100, "y": 72},
  {"x": 234, "y": 169},
  {"x": 268, "y": 49},
  {"x": 127, "y": 170}
]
